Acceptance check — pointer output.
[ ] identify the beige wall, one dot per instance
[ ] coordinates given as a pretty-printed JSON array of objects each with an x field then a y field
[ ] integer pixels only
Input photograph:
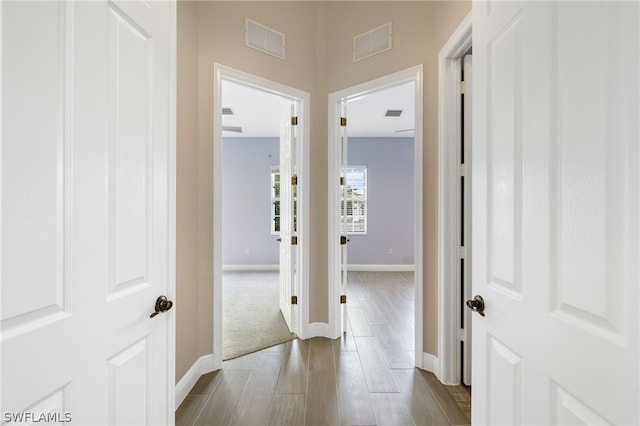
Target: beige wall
[
  {"x": 319, "y": 61},
  {"x": 187, "y": 336}
]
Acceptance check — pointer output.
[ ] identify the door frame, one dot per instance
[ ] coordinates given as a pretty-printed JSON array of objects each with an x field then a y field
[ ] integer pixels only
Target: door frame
[
  {"x": 449, "y": 120},
  {"x": 220, "y": 73},
  {"x": 413, "y": 74}
]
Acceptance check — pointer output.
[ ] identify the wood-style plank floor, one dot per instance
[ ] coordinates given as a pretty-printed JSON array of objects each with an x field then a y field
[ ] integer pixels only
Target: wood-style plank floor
[{"x": 364, "y": 378}]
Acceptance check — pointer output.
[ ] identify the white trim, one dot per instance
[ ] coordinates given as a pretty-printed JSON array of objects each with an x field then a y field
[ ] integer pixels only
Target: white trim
[
  {"x": 352, "y": 267},
  {"x": 264, "y": 267},
  {"x": 430, "y": 363},
  {"x": 301, "y": 314},
  {"x": 381, "y": 268},
  {"x": 171, "y": 210},
  {"x": 449, "y": 307},
  {"x": 203, "y": 365},
  {"x": 414, "y": 74},
  {"x": 316, "y": 329}
]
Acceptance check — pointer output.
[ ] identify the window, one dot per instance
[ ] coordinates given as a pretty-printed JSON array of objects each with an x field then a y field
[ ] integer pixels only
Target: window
[
  {"x": 356, "y": 200},
  {"x": 355, "y": 195},
  {"x": 275, "y": 202}
]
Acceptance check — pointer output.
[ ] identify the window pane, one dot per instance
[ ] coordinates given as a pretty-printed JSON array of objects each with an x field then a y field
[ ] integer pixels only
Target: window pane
[{"x": 355, "y": 195}]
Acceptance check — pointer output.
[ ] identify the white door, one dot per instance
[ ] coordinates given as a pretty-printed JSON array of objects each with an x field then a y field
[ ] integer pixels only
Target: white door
[
  {"x": 86, "y": 212},
  {"x": 288, "y": 237},
  {"x": 555, "y": 212},
  {"x": 466, "y": 216},
  {"x": 344, "y": 270}
]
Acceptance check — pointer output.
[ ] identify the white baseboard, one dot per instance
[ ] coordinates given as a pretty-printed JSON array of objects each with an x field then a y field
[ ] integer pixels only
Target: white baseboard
[
  {"x": 251, "y": 267},
  {"x": 357, "y": 268},
  {"x": 317, "y": 329},
  {"x": 381, "y": 268},
  {"x": 430, "y": 363},
  {"x": 203, "y": 365}
]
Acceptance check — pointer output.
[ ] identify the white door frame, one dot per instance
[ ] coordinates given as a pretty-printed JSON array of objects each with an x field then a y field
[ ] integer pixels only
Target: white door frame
[
  {"x": 221, "y": 72},
  {"x": 449, "y": 135},
  {"x": 414, "y": 74}
]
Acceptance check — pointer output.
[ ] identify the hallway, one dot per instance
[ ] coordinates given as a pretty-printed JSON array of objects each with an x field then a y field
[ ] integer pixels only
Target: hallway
[{"x": 366, "y": 377}]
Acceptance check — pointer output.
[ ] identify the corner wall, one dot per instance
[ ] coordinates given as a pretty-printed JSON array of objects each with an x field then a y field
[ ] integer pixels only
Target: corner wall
[{"x": 187, "y": 289}]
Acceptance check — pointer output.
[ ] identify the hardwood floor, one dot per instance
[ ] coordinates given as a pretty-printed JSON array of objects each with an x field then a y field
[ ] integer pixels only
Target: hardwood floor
[{"x": 366, "y": 377}]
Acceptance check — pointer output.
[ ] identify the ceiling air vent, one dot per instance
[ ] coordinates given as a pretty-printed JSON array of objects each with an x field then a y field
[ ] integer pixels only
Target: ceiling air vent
[
  {"x": 235, "y": 129},
  {"x": 227, "y": 111},
  {"x": 372, "y": 42},
  {"x": 393, "y": 113},
  {"x": 264, "y": 39}
]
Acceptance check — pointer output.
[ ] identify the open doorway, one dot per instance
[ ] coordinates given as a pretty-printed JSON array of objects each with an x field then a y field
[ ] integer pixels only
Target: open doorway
[
  {"x": 251, "y": 219},
  {"x": 259, "y": 139},
  {"x": 353, "y": 253}
]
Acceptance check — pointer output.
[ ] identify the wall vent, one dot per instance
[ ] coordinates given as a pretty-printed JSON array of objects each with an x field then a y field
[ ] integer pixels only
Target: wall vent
[
  {"x": 393, "y": 113},
  {"x": 235, "y": 129},
  {"x": 227, "y": 111},
  {"x": 372, "y": 42},
  {"x": 264, "y": 39}
]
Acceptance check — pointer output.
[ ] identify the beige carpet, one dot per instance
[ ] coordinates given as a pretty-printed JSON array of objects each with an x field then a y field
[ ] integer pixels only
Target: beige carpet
[{"x": 251, "y": 315}]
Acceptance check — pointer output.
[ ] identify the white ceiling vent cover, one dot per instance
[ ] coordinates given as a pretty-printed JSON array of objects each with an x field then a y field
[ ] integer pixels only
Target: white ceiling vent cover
[
  {"x": 264, "y": 39},
  {"x": 372, "y": 42}
]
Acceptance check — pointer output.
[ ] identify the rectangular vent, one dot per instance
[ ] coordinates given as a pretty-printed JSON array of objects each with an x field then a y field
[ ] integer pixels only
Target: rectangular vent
[
  {"x": 227, "y": 111},
  {"x": 393, "y": 113},
  {"x": 234, "y": 129},
  {"x": 372, "y": 42},
  {"x": 264, "y": 39}
]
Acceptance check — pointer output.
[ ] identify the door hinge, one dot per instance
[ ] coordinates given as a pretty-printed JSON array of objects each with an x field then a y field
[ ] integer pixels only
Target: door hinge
[
  {"x": 462, "y": 336},
  {"x": 343, "y": 121},
  {"x": 463, "y": 170},
  {"x": 294, "y": 180},
  {"x": 463, "y": 87},
  {"x": 294, "y": 240},
  {"x": 343, "y": 298},
  {"x": 342, "y": 180},
  {"x": 462, "y": 252},
  {"x": 294, "y": 121},
  {"x": 343, "y": 240},
  {"x": 294, "y": 300}
]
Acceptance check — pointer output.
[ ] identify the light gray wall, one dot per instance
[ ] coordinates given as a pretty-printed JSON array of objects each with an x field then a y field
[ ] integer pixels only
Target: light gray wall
[
  {"x": 389, "y": 164},
  {"x": 246, "y": 182}
]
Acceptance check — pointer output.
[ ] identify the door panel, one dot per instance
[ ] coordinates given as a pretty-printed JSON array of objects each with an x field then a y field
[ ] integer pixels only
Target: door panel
[
  {"x": 555, "y": 230},
  {"x": 85, "y": 194},
  {"x": 287, "y": 249},
  {"x": 504, "y": 151},
  {"x": 130, "y": 147},
  {"x": 505, "y": 384},
  {"x": 35, "y": 227},
  {"x": 129, "y": 378},
  {"x": 589, "y": 208}
]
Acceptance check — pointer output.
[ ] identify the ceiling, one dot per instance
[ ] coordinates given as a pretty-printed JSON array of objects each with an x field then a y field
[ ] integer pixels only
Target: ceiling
[{"x": 259, "y": 113}]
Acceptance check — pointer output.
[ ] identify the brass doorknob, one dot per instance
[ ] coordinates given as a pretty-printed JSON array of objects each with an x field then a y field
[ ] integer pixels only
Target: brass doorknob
[
  {"x": 476, "y": 305},
  {"x": 162, "y": 305}
]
